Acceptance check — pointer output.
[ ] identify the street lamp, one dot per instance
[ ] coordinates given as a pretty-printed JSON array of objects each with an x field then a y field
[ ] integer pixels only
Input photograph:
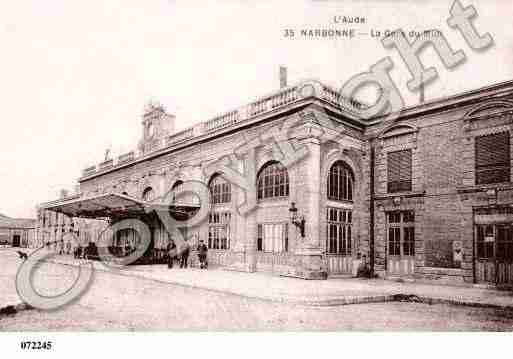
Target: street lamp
[{"x": 299, "y": 223}]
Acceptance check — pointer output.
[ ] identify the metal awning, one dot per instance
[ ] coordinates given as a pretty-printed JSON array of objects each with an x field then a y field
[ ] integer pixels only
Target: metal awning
[{"x": 116, "y": 206}]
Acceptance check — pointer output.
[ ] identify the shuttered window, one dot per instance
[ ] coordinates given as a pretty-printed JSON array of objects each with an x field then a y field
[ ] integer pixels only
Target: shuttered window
[
  {"x": 399, "y": 171},
  {"x": 492, "y": 158}
]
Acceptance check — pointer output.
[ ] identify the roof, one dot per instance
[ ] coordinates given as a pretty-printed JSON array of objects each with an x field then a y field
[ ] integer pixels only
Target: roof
[
  {"x": 482, "y": 94},
  {"x": 279, "y": 102},
  {"x": 113, "y": 205}
]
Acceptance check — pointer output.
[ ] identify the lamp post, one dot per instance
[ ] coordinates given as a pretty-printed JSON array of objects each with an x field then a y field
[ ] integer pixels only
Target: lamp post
[{"x": 299, "y": 223}]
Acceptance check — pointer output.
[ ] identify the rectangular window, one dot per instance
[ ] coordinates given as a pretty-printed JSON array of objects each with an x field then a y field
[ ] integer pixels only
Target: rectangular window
[
  {"x": 339, "y": 239},
  {"x": 401, "y": 233},
  {"x": 485, "y": 241},
  {"x": 492, "y": 158},
  {"x": 273, "y": 237},
  {"x": 409, "y": 241},
  {"x": 219, "y": 230},
  {"x": 399, "y": 170},
  {"x": 394, "y": 241},
  {"x": 504, "y": 243},
  {"x": 495, "y": 242}
]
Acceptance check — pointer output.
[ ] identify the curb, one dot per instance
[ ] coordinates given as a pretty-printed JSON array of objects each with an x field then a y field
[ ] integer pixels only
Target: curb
[{"x": 398, "y": 297}]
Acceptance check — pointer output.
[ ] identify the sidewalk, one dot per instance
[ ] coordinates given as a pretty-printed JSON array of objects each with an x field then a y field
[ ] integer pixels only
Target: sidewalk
[
  {"x": 337, "y": 291},
  {"x": 331, "y": 292}
]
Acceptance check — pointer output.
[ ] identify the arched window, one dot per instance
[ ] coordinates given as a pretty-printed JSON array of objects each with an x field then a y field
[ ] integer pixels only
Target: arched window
[
  {"x": 148, "y": 194},
  {"x": 176, "y": 185},
  {"x": 220, "y": 190},
  {"x": 175, "y": 189},
  {"x": 340, "y": 182},
  {"x": 272, "y": 181}
]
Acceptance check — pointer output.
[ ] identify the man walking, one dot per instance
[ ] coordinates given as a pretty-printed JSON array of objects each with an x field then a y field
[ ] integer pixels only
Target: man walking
[{"x": 202, "y": 255}]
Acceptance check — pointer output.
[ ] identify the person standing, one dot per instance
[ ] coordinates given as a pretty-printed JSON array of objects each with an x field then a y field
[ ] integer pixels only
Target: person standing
[
  {"x": 202, "y": 254},
  {"x": 184, "y": 256},
  {"x": 171, "y": 253}
]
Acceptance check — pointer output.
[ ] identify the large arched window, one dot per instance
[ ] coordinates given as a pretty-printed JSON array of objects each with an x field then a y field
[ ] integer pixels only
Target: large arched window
[
  {"x": 340, "y": 182},
  {"x": 272, "y": 181},
  {"x": 176, "y": 185},
  {"x": 175, "y": 189},
  {"x": 220, "y": 190},
  {"x": 148, "y": 194}
]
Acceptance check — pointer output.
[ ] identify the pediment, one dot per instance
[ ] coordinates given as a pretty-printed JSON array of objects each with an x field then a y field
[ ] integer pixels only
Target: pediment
[
  {"x": 398, "y": 130},
  {"x": 493, "y": 107}
]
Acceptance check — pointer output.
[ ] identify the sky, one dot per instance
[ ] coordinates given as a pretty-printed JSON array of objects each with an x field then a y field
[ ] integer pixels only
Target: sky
[{"x": 75, "y": 75}]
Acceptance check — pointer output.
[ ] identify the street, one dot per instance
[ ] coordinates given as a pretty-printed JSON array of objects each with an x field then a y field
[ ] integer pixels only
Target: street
[{"x": 122, "y": 302}]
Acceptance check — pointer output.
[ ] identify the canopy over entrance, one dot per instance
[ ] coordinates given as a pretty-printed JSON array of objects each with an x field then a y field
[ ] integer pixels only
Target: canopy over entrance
[{"x": 117, "y": 206}]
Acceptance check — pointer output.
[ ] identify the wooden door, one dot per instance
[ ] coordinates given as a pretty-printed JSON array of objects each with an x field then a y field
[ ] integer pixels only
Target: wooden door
[
  {"x": 494, "y": 254},
  {"x": 504, "y": 254},
  {"x": 400, "y": 243}
]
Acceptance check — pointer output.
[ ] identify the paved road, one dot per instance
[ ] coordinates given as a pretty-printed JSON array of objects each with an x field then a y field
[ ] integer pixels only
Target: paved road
[{"x": 117, "y": 302}]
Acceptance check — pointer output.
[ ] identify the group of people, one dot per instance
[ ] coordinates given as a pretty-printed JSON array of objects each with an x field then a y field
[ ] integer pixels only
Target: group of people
[
  {"x": 79, "y": 252},
  {"x": 183, "y": 256}
]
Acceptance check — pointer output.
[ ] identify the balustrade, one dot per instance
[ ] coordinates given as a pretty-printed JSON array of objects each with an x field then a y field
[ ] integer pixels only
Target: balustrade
[
  {"x": 228, "y": 119},
  {"x": 89, "y": 170},
  {"x": 127, "y": 157},
  {"x": 268, "y": 103},
  {"x": 180, "y": 136},
  {"x": 106, "y": 164}
]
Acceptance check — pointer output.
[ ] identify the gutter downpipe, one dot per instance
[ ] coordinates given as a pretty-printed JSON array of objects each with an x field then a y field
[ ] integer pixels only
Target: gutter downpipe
[{"x": 371, "y": 208}]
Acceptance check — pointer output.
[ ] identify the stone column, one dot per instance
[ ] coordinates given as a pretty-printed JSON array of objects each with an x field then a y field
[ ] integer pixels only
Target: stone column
[
  {"x": 313, "y": 184},
  {"x": 250, "y": 243},
  {"x": 243, "y": 229},
  {"x": 308, "y": 252}
]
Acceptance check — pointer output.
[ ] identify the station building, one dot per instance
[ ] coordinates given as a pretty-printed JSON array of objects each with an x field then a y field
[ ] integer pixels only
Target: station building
[
  {"x": 16, "y": 232},
  {"x": 427, "y": 196}
]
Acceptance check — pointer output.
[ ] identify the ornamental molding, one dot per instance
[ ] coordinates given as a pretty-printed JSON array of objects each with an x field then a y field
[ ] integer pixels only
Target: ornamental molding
[
  {"x": 488, "y": 109},
  {"x": 400, "y": 136}
]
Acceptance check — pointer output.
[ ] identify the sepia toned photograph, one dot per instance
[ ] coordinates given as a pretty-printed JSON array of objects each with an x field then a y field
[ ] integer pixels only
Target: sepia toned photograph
[{"x": 234, "y": 166}]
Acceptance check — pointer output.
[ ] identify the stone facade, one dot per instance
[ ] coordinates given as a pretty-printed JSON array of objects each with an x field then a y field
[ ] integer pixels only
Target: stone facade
[
  {"x": 61, "y": 233},
  {"x": 443, "y": 196},
  {"x": 16, "y": 232}
]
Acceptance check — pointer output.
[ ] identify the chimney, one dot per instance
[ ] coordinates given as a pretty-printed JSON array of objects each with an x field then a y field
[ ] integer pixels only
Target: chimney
[{"x": 283, "y": 77}]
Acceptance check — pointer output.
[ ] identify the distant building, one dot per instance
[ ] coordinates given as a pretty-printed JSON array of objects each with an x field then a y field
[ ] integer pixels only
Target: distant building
[
  {"x": 16, "y": 232},
  {"x": 428, "y": 196}
]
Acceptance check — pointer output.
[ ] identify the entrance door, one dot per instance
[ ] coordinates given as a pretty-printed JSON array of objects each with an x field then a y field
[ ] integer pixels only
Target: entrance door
[
  {"x": 401, "y": 243},
  {"x": 273, "y": 247},
  {"x": 339, "y": 241},
  {"x": 16, "y": 240},
  {"x": 494, "y": 253}
]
